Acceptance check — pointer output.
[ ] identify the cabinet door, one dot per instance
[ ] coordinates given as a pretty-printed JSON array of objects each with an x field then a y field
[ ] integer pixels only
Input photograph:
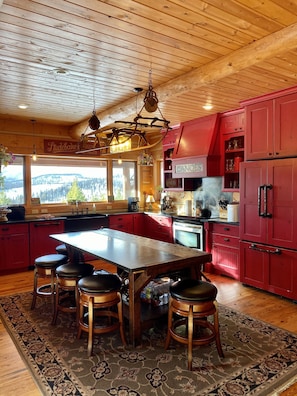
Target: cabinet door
[
  {"x": 253, "y": 266},
  {"x": 268, "y": 268},
  {"x": 225, "y": 255},
  {"x": 285, "y": 137},
  {"x": 138, "y": 224},
  {"x": 259, "y": 130},
  {"x": 159, "y": 227},
  {"x": 282, "y": 203},
  {"x": 14, "y": 244},
  {"x": 252, "y": 226},
  {"x": 277, "y": 224},
  {"x": 232, "y": 122},
  {"x": 121, "y": 223},
  {"x": 40, "y": 241}
]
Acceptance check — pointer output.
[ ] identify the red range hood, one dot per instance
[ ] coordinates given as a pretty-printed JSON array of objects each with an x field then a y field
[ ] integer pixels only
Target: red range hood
[{"x": 197, "y": 148}]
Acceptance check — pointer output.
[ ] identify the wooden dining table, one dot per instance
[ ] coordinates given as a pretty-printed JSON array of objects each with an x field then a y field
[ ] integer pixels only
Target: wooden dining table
[{"x": 142, "y": 259}]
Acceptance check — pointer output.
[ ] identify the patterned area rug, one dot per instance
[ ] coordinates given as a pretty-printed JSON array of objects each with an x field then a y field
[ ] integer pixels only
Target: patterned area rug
[{"x": 259, "y": 358}]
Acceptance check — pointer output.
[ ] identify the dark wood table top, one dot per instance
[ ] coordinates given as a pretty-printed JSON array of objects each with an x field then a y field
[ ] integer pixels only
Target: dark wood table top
[{"x": 130, "y": 252}]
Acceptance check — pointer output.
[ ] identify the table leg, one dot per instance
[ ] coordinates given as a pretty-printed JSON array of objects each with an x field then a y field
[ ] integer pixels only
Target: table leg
[{"x": 137, "y": 282}]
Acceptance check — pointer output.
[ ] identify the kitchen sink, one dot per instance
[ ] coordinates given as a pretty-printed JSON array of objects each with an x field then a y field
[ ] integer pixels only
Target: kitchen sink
[
  {"x": 83, "y": 222},
  {"x": 84, "y": 215}
]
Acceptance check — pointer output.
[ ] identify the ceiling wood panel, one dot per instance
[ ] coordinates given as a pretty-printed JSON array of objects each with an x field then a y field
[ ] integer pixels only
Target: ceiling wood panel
[{"x": 218, "y": 51}]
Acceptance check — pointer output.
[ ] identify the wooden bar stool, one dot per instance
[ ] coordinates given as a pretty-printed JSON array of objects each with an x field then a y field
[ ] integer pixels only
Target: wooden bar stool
[
  {"x": 191, "y": 303},
  {"x": 45, "y": 267},
  {"x": 66, "y": 296},
  {"x": 100, "y": 306}
]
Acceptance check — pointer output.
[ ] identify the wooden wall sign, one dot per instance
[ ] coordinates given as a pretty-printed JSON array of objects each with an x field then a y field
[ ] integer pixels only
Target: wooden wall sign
[{"x": 60, "y": 146}]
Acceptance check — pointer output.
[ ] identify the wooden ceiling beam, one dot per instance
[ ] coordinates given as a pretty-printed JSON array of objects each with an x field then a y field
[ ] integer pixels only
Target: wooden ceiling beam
[{"x": 268, "y": 47}]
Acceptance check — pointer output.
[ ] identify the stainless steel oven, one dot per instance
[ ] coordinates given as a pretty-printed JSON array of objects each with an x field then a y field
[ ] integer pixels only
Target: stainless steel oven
[{"x": 188, "y": 234}]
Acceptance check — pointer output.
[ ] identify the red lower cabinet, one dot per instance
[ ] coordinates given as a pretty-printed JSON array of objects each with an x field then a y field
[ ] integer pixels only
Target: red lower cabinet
[
  {"x": 40, "y": 241},
  {"x": 269, "y": 268},
  {"x": 14, "y": 245},
  {"x": 225, "y": 250},
  {"x": 158, "y": 227}
]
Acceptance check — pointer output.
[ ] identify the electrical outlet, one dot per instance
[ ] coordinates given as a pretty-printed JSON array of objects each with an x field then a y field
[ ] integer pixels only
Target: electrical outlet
[
  {"x": 109, "y": 207},
  {"x": 44, "y": 210}
]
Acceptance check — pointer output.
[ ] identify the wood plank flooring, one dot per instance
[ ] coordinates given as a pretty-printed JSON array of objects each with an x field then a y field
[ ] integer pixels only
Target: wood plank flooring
[{"x": 15, "y": 378}]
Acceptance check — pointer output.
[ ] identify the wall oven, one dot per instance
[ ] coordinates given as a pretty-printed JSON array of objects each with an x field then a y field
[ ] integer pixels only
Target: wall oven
[{"x": 188, "y": 233}]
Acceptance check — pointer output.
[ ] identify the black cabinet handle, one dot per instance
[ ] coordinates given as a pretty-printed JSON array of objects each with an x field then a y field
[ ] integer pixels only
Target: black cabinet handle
[
  {"x": 255, "y": 247},
  {"x": 260, "y": 213},
  {"x": 266, "y": 187}
]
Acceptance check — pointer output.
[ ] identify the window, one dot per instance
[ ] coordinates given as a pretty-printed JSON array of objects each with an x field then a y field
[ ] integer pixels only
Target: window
[
  {"x": 124, "y": 179},
  {"x": 12, "y": 190},
  {"x": 61, "y": 180}
]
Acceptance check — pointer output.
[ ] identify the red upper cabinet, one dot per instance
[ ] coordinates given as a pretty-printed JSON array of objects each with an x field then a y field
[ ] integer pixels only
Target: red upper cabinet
[
  {"x": 270, "y": 127},
  {"x": 232, "y": 122},
  {"x": 232, "y": 133}
]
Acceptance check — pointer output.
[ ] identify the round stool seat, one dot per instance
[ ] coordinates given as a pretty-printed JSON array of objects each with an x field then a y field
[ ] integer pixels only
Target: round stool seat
[
  {"x": 74, "y": 270},
  {"x": 193, "y": 290},
  {"x": 50, "y": 260},
  {"x": 103, "y": 283},
  {"x": 62, "y": 249}
]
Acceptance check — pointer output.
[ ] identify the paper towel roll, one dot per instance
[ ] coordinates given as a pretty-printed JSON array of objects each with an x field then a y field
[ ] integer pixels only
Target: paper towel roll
[
  {"x": 188, "y": 207},
  {"x": 233, "y": 212}
]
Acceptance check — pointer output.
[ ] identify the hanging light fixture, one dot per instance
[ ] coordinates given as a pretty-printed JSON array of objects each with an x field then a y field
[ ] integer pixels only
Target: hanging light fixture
[
  {"x": 94, "y": 122},
  {"x": 150, "y": 99},
  {"x": 118, "y": 138},
  {"x": 34, "y": 154}
]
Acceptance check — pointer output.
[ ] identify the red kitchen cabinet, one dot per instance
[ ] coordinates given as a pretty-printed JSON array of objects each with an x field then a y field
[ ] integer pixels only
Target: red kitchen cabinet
[
  {"x": 268, "y": 268},
  {"x": 158, "y": 227},
  {"x": 138, "y": 224},
  {"x": 268, "y": 198},
  {"x": 122, "y": 222},
  {"x": 232, "y": 122},
  {"x": 225, "y": 249},
  {"x": 232, "y": 147},
  {"x": 270, "y": 128},
  {"x": 40, "y": 241},
  {"x": 14, "y": 244}
]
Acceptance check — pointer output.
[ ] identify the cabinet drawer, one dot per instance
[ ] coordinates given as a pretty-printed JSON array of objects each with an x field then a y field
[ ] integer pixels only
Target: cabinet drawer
[
  {"x": 226, "y": 229},
  {"x": 13, "y": 229},
  {"x": 226, "y": 240}
]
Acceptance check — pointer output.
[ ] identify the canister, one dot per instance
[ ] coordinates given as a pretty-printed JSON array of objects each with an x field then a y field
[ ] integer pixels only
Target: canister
[{"x": 233, "y": 212}]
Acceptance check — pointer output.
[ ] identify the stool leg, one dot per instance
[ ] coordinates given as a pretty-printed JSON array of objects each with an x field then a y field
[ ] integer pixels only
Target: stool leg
[
  {"x": 120, "y": 314},
  {"x": 81, "y": 313},
  {"x": 217, "y": 330},
  {"x": 190, "y": 337},
  {"x": 168, "y": 338},
  {"x": 91, "y": 326},
  {"x": 34, "y": 289},
  {"x": 56, "y": 304}
]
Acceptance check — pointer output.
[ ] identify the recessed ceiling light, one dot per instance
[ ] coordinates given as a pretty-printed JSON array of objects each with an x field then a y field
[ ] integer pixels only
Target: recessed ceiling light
[
  {"x": 138, "y": 89},
  {"x": 61, "y": 70},
  {"x": 208, "y": 106},
  {"x": 23, "y": 106}
]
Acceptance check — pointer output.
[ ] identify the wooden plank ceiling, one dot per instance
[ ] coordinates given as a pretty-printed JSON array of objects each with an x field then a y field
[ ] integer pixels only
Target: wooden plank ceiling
[{"x": 65, "y": 58}]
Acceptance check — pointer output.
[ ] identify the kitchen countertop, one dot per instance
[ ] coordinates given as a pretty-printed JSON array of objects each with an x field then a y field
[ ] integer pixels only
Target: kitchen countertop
[{"x": 30, "y": 218}]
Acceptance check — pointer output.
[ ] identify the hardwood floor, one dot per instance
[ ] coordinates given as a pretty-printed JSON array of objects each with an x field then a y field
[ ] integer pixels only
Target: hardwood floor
[{"x": 15, "y": 378}]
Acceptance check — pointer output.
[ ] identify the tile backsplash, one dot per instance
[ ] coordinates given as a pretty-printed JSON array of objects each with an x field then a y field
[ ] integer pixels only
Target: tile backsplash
[{"x": 207, "y": 196}]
